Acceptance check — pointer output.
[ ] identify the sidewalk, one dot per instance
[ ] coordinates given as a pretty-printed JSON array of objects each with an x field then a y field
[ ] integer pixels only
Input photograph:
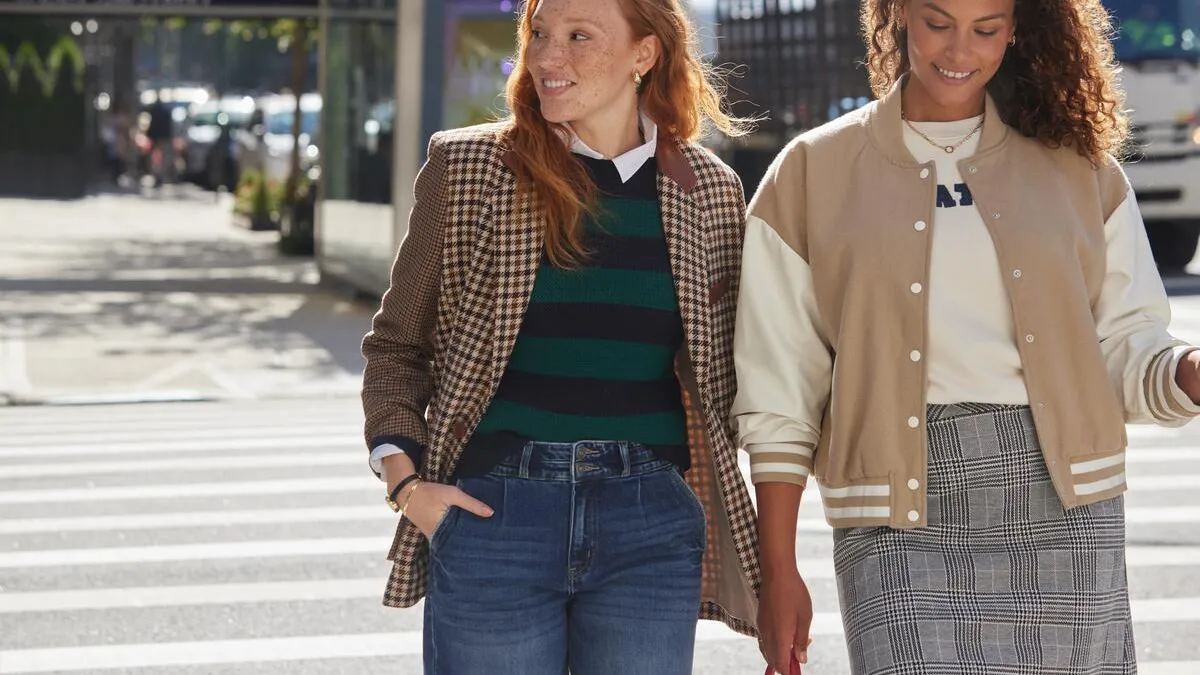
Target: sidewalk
[{"x": 126, "y": 298}]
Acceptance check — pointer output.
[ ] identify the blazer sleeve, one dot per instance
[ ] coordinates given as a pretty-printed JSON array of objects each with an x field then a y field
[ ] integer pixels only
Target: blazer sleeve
[{"x": 398, "y": 376}]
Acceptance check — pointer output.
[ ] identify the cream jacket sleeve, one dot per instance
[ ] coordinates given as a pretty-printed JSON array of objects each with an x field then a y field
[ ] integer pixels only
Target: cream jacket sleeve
[
  {"x": 1132, "y": 316},
  {"x": 783, "y": 360}
]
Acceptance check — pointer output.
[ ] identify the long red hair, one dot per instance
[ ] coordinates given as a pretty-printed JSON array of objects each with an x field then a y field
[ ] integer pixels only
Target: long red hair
[{"x": 681, "y": 94}]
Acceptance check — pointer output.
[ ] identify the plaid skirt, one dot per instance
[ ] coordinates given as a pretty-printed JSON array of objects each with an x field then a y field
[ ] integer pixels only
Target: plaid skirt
[{"x": 1003, "y": 580}]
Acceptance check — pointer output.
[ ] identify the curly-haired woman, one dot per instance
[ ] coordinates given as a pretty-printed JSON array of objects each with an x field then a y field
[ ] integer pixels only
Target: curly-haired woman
[
  {"x": 549, "y": 377},
  {"x": 959, "y": 284}
]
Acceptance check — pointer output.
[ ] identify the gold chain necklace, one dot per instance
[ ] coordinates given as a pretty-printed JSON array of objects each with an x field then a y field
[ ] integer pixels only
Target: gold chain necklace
[{"x": 948, "y": 148}]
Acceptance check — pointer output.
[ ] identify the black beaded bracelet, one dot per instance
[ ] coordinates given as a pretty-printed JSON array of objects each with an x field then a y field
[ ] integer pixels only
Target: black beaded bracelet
[{"x": 401, "y": 485}]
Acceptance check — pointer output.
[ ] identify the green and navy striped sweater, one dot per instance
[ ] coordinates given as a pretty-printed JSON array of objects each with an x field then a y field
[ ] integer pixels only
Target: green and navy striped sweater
[{"x": 595, "y": 356}]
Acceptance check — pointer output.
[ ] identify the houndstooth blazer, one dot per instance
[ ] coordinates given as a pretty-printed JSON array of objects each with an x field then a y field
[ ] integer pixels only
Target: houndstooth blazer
[{"x": 459, "y": 289}]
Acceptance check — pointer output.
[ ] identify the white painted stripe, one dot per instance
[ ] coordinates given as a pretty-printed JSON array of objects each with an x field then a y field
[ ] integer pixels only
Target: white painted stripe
[
  {"x": 110, "y": 418},
  {"x": 190, "y": 519},
  {"x": 856, "y": 491},
  {"x": 281, "y": 442},
  {"x": 1168, "y": 667},
  {"x": 1146, "y": 515},
  {"x": 178, "y": 596},
  {"x": 1097, "y": 464},
  {"x": 1162, "y": 455},
  {"x": 80, "y": 599},
  {"x": 1164, "y": 482},
  {"x": 157, "y": 464},
  {"x": 179, "y": 490},
  {"x": 213, "y": 551},
  {"x": 174, "y": 433},
  {"x": 1165, "y": 610},
  {"x": 163, "y": 654},
  {"x": 842, "y": 513},
  {"x": 14, "y": 365},
  {"x": 778, "y": 467},
  {"x": 1153, "y": 431},
  {"x": 1100, "y": 485},
  {"x": 273, "y": 650},
  {"x": 314, "y": 647},
  {"x": 1162, "y": 556}
]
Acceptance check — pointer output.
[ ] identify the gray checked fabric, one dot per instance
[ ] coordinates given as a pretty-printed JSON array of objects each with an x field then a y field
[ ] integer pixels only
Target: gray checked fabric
[
  {"x": 460, "y": 286},
  {"x": 1003, "y": 581}
]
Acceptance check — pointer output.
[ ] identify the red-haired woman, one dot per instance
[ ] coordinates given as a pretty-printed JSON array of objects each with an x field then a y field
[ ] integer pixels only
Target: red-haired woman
[{"x": 549, "y": 376}]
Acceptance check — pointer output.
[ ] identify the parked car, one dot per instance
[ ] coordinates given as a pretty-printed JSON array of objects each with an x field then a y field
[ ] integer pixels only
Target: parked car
[{"x": 266, "y": 145}]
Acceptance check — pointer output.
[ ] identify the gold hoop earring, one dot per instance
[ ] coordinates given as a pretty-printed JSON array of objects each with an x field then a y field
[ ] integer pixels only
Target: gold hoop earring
[
  {"x": 637, "y": 80},
  {"x": 1013, "y": 40}
]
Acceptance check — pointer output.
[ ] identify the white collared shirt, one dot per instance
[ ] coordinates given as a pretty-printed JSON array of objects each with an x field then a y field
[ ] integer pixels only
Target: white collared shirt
[{"x": 630, "y": 162}]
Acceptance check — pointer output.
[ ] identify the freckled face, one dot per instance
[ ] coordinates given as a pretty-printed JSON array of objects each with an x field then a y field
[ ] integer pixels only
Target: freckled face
[
  {"x": 955, "y": 48},
  {"x": 582, "y": 57}
]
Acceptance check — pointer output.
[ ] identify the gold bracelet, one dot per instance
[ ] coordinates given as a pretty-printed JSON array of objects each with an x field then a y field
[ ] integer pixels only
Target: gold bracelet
[{"x": 404, "y": 507}]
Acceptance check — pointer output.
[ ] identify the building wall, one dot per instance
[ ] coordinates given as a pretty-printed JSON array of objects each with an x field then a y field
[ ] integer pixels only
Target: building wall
[{"x": 802, "y": 65}]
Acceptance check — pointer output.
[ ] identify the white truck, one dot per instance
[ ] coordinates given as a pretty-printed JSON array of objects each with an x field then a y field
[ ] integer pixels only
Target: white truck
[{"x": 1159, "y": 50}]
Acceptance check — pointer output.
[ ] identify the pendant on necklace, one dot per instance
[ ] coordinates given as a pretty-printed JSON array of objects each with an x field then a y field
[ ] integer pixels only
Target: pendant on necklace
[{"x": 949, "y": 149}]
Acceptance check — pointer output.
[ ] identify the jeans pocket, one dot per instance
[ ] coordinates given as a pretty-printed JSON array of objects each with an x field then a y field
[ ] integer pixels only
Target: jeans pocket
[
  {"x": 442, "y": 529},
  {"x": 689, "y": 500},
  {"x": 686, "y": 491}
]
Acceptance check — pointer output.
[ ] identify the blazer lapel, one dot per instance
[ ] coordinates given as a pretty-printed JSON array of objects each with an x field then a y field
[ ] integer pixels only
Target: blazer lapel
[
  {"x": 517, "y": 242},
  {"x": 683, "y": 225}
]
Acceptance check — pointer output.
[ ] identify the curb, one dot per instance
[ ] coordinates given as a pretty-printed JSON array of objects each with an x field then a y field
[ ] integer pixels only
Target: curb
[{"x": 115, "y": 398}]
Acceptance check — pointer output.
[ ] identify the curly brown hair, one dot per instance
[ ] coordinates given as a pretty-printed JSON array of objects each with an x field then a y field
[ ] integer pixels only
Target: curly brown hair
[{"x": 1056, "y": 84}]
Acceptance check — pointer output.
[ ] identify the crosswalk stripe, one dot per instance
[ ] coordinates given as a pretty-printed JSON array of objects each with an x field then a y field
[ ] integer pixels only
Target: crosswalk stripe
[
  {"x": 11, "y": 440},
  {"x": 347, "y": 458},
  {"x": 171, "y": 491},
  {"x": 1136, "y": 556},
  {"x": 312, "y": 647},
  {"x": 179, "y": 552},
  {"x": 810, "y": 521},
  {"x": 167, "y": 447},
  {"x": 1165, "y": 482},
  {"x": 19, "y": 424},
  {"x": 188, "y": 519},
  {"x": 178, "y": 596}
]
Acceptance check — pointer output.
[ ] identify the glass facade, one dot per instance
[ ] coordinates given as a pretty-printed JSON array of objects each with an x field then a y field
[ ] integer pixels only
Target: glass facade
[
  {"x": 479, "y": 48},
  {"x": 359, "y": 111},
  {"x": 356, "y": 217}
]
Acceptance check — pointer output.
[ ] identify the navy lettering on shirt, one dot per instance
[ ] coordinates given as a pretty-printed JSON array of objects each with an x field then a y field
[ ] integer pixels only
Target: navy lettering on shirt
[{"x": 946, "y": 200}]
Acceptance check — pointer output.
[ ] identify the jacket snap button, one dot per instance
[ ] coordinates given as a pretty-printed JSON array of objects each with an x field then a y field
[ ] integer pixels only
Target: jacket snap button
[{"x": 460, "y": 429}]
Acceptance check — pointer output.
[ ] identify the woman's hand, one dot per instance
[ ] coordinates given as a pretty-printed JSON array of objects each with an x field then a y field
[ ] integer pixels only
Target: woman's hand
[
  {"x": 785, "y": 615},
  {"x": 1187, "y": 375},
  {"x": 429, "y": 503}
]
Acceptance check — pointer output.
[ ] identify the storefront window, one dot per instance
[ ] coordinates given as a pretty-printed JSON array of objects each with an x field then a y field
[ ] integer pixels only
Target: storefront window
[
  {"x": 359, "y": 111},
  {"x": 480, "y": 47}
]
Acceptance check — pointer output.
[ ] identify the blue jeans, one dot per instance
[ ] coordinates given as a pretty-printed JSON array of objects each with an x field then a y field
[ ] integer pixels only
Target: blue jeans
[{"x": 590, "y": 564}]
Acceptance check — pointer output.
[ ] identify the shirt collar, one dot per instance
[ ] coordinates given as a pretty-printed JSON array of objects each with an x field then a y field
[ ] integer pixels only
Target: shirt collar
[{"x": 628, "y": 163}]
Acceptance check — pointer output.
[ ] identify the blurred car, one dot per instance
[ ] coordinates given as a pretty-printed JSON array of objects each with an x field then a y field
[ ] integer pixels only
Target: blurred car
[
  {"x": 208, "y": 136},
  {"x": 266, "y": 145}
]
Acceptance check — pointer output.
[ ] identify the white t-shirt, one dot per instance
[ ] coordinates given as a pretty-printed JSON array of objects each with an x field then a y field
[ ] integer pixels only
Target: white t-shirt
[{"x": 972, "y": 347}]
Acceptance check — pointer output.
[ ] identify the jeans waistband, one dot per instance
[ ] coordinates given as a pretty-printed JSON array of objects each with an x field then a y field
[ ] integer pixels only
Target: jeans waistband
[{"x": 580, "y": 461}]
